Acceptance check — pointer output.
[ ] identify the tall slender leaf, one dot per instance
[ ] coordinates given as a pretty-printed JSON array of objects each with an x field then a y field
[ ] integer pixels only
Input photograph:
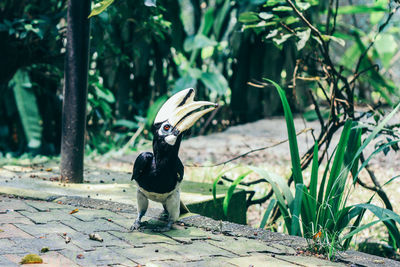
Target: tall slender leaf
[
  {"x": 295, "y": 229},
  {"x": 314, "y": 178},
  {"x": 294, "y": 150},
  {"x": 216, "y": 180},
  {"x": 231, "y": 190},
  {"x": 283, "y": 206},
  {"x": 377, "y": 129},
  {"x": 339, "y": 157},
  {"x": 264, "y": 220}
]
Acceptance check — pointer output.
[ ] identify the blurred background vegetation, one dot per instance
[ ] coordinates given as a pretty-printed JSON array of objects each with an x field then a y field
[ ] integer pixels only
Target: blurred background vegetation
[{"x": 143, "y": 51}]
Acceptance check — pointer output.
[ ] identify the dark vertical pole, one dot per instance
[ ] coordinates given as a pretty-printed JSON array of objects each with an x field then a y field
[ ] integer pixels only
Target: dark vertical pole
[{"x": 75, "y": 91}]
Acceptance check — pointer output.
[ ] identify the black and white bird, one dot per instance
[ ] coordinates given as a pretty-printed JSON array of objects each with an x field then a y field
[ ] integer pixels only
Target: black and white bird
[{"x": 158, "y": 175}]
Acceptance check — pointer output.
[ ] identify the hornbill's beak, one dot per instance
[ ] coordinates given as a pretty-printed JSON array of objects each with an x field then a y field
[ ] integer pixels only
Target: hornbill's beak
[{"x": 180, "y": 112}]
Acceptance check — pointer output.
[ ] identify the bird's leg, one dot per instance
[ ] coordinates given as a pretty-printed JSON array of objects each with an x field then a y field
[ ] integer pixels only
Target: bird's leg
[
  {"x": 172, "y": 205},
  {"x": 164, "y": 215},
  {"x": 143, "y": 203}
]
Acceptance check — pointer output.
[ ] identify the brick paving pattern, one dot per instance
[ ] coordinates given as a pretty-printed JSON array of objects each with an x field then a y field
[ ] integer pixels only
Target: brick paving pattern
[{"x": 28, "y": 226}]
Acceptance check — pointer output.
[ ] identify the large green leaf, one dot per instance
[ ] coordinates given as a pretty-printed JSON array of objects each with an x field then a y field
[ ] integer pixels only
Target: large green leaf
[
  {"x": 215, "y": 81},
  {"x": 100, "y": 7},
  {"x": 354, "y": 9},
  {"x": 249, "y": 17},
  {"x": 153, "y": 109},
  {"x": 386, "y": 45},
  {"x": 197, "y": 42},
  {"x": 27, "y": 108},
  {"x": 186, "y": 81}
]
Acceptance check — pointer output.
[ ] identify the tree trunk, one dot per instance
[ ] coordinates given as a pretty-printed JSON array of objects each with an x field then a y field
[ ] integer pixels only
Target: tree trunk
[{"x": 75, "y": 91}]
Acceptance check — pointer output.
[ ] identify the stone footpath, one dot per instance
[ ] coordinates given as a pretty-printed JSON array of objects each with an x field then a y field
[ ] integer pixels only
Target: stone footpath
[{"x": 62, "y": 226}]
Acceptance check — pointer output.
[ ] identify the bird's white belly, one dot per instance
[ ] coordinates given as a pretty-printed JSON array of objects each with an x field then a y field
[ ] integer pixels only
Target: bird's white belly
[{"x": 158, "y": 197}]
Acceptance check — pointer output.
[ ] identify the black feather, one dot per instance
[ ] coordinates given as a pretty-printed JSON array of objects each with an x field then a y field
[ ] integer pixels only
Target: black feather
[{"x": 159, "y": 172}]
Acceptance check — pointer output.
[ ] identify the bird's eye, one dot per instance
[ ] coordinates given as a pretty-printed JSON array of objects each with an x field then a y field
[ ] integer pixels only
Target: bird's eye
[{"x": 167, "y": 127}]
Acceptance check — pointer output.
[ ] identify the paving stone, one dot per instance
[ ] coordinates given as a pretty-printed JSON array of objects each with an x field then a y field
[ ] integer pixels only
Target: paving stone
[
  {"x": 48, "y": 216},
  {"x": 129, "y": 215},
  {"x": 10, "y": 230},
  {"x": 42, "y": 230},
  {"x": 188, "y": 234},
  {"x": 243, "y": 246},
  {"x": 198, "y": 250},
  {"x": 282, "y": 249},
  {"x": 14, "y": 217},
  {"x": 141, "y": 238},
  {"x": 45, "y": 206},
  {"x": 127, "y": 222},
  {"x": 5, "y": 262},
  {"x": 93, "y": 226},
  {"x": 8, "y": 246},
  {"x": 4, "y": 242},
  {"x": 92, "y": 214},
  {"x": 82, "y": 241},
  {"x": 260, "y": 260},
  {"x": 124, "y": 222},
  {"x": 98, "y": 257},
  {"x": 212, "y": 262},
  {"x": 309, "y": 261},
  {"x": 143, "y": 255},
  {"x": 49, "y": 259},
  {"x": 14, "y": 204},
  {"x": 52, "y": 241}
]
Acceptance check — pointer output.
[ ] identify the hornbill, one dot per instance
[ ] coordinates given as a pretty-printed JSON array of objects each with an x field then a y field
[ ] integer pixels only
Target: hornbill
[{"x": 159, "y": 174}]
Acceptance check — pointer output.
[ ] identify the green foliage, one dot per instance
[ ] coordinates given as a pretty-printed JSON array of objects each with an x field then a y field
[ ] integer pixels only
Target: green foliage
[
  {"x": 100, "y": 7},
  {"x": 267, "y": 213},
  {"x": 326, "y": 218},
  {"x": 28, "y": 110},
  {"x": 279, "y": 24},
  {"x": 231, "y": 190}
]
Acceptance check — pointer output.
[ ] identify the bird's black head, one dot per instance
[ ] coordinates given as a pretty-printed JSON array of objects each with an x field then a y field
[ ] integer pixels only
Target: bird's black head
[{"x": 175, "y": 117}]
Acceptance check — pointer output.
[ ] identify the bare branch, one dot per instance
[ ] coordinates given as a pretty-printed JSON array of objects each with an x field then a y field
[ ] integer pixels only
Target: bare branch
[{"x": 249, "y": 152}]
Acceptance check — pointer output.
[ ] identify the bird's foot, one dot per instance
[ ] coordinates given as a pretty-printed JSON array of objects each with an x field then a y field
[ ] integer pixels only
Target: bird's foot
[
  {"x": 136, "y": 225},
  {"x": 164, "y": 216},
  {"x": 165, "y": 228}
]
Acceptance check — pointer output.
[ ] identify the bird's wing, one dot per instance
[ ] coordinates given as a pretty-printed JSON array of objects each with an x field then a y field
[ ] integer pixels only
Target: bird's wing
[
  {"x": 142, "y": 164},
  {"x": 180, "y": 169}
]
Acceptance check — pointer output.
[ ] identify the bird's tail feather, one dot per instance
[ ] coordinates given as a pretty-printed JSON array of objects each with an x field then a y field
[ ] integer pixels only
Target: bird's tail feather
[{"x": 183, "y": 208}]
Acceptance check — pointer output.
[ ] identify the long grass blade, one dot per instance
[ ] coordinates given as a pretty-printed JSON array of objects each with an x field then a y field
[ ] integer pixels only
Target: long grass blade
[
  {"x": 282, "y": 183},
  {"x": 338, "y": 160},
  {"x": 294, "y": 150},
  {"x": 268, "y": 211},
  {"x": 365, "y": 163},
  {"x": 216, "y": 180},
  {"x": 231, "y": 190},
  {"x": 283, "y": 207},
  {"x": 314, "y": 180},
  {"x": 295, "y": 230},
  {"x": 377, "y": 129}
]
